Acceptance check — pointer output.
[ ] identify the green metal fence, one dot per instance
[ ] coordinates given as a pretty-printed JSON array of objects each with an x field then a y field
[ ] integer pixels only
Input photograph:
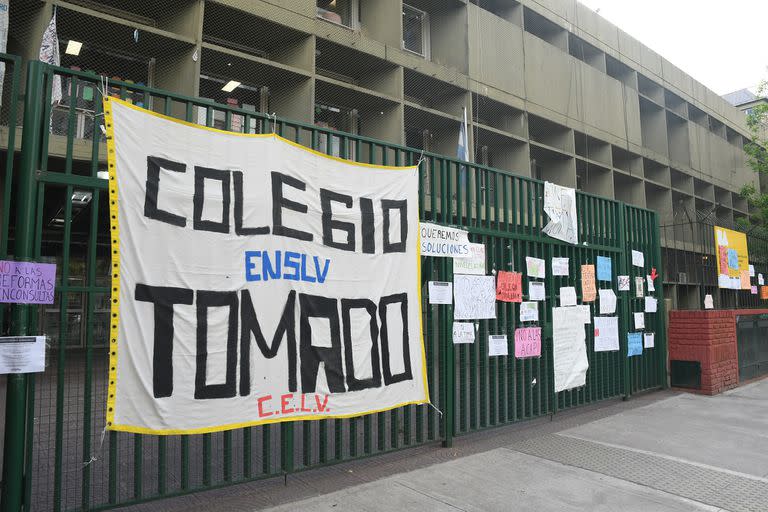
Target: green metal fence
[{"x": 62, "y": 216}]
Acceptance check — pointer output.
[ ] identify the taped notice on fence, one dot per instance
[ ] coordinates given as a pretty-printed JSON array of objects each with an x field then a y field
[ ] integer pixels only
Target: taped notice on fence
[
  {"x": 560, "y": 206},
  {"x": 256, "y": 281},
  {"x": 569, "y": 348},
  {"x": 443, "y": 241}
]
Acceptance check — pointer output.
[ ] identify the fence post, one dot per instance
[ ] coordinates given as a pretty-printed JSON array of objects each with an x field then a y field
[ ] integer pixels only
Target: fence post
[
  {"x": 15, "y": 407},
  {"x": 662, "y": 305},
  {"x": 624, "y": 298},
  {"x": 446, "y": 341}
]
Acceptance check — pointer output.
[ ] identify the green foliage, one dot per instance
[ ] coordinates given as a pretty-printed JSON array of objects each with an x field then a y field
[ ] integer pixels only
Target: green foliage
[{"x": 757, "y": 158}]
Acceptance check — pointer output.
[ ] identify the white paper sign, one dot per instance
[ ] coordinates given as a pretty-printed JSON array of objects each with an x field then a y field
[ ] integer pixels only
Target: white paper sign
[
  {"x": 536, "y": 290},
  {"x": 708, "y": 302},
  {"x": 229, "y": 229},
  {"x": 607, "y": 301},
  {"x": 463, "y": 332},
  {"x": 569, "y": 349},
  {"x": 760, "y": 279},
  {"x": 440, "y": 292},
  {"x": 22, "y": 354},
  {"x": 751, "y": 271},
  {"x": 474, "y": 265},
  {"x": 650, "y": 304},
  {"x": 529, "y": 311},
  {"x": 648, "y": 280},
  {"x": 443, "y": 241},
  {"x": 560, "y": 206},
  {"x": 497, "y": 345},
  {"x": 639, "y": 281},
  {"x": 649, "y": 340},
  {"x": 535, "y": 267},
  {"x": 639, "y": 320},
  {"x": 567, "y": 296},
  {"x": 560, "y": 267},
  {"x": 638, "y": 258},
  {"x": 606, "y": 333},
  {"x": 585, "y": 314},
  {"x": 623, "y": 283},
  {"x": 474, "y": 297}
]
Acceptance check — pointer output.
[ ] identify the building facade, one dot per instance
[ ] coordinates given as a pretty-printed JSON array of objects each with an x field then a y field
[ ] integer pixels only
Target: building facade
[{"x": 549, "y": 88}]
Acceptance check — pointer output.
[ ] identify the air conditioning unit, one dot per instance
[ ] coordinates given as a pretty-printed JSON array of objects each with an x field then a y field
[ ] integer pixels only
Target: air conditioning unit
[{"x": 682, "y": 277}]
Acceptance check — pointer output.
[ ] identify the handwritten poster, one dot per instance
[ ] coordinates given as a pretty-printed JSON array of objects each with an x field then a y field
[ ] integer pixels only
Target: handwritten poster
[
  {"x": 639, "y": 281},
  {"x": 634, "y": 344},
  {"x": 443, "y": 241},
  {"x": 528, "y": 342},
  {"x": 649, "y": 280},
  {"x": 638, "y": 258},
  {"x": 474, "y": 265},
  {"x": 588, "y": 289},
  {"x": 497, "y": 345},
  {"x": 753, "y": 290},
  {"x": 536, "y": 290},
  {"x": 623, "y": 283},
  {"x": 606, "y": 333},
  {"x": 529, "y": 312},
  {"x": 744, "y": 276},
  {"x": 604, "y": 271},
  {"x": 764, "y": 292},
  {"x": 569, "y": 350},
  {"x": 24, "y": 282},
  {"x": 463, "y": 332},
  {"x": 650, "y": 304},
  {"x": 760, "y": 279},
  {"x": 440, "y": 292},
  {"x": 509, "y": 286},
  {"x": 708, "y": 302},
  {"x": 607, "y": 301},
  {"x": 560, "y": 206},
  {"x": 474, "y": 297},
  {"x": 560, "y": 267},
  {"x": 649, "y": 340},
  {"x": 639, "y": 317},
  {"x": 751, "y": 271},
  {"x": 535, "y": 267},
  {"x": 567, "y": 296}
]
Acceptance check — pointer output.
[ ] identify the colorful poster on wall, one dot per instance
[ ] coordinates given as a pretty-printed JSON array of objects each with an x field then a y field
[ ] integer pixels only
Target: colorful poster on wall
[
  {"x": 256, "y": 281},
  {"x": 732, "y": 258}
]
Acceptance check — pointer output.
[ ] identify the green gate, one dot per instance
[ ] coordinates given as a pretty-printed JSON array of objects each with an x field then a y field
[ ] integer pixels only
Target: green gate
[{"x": 60, "y": 456}]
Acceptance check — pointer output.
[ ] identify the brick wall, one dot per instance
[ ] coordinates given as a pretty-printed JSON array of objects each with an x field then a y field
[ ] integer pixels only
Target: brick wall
[{"x": 708, "y": 337}]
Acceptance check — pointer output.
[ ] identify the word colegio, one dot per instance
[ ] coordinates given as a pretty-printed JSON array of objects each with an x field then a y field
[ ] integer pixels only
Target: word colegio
[{"x": 231, "y": 186}]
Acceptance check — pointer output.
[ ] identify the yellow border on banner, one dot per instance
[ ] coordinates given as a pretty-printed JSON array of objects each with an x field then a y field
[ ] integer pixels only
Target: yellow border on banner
[{"x": 115, "y": 304}]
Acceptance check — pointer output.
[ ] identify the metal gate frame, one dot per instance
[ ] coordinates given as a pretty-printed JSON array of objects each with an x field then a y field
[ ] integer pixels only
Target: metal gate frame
[{"x": 471, "y": 390}]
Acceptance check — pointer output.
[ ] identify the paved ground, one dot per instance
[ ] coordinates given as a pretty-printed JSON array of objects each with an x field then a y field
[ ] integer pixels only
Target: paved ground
[{"x": 662, "y": 452}]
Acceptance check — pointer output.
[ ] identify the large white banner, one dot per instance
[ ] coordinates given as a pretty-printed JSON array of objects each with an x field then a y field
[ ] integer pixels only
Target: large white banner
[{"x": 256, "y": 281}]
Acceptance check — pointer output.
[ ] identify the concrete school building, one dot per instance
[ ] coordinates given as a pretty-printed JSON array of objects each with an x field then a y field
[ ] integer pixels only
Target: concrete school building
[{"x": 549, "y": 88}]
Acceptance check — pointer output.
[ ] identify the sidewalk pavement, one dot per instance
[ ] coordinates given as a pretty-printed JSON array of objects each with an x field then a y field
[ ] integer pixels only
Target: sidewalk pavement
[{"x": 663, "y": 451}]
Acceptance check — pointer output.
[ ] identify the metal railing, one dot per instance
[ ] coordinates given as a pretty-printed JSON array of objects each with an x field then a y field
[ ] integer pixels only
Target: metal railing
[{"x": 62, "y": 216}]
